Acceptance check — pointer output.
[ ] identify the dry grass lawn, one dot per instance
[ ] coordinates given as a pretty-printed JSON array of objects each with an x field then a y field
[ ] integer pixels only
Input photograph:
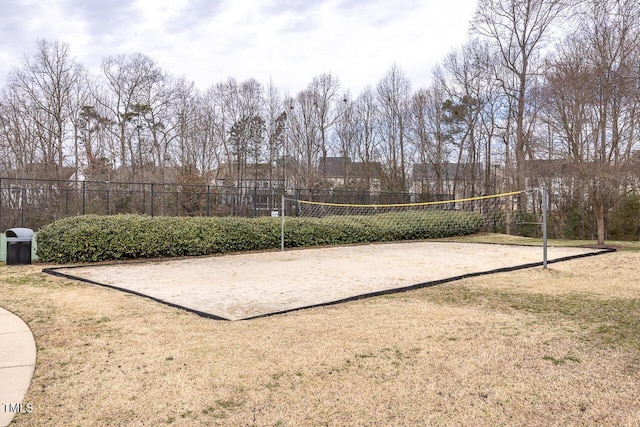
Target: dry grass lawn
[{"x": 533, "y": 347}]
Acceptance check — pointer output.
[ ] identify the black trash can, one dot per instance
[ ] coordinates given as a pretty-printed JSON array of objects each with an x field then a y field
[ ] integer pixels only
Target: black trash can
[{"x": 19, "y": 242}]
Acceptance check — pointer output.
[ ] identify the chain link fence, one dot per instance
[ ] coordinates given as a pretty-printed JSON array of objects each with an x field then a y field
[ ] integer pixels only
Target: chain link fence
[{"x": 33, "y": 203}]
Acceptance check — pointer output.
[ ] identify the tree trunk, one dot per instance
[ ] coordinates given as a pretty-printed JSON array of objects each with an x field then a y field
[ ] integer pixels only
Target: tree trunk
[{"x": 520, "y": 140}]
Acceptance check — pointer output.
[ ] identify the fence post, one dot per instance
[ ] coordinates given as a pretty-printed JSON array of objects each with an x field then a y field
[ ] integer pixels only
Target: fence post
[
  {"x": 84, "y": 197},
  {"x": 208, "y": 199},
  {"x": 108, "y": 209},
  {"x": 152, "y": 197},
  {"x": 23, "y": 196},
  {"x": 234, "y": 196},
  {"x": 255, "y": 201},
  {"x": 282, "y": 225}
]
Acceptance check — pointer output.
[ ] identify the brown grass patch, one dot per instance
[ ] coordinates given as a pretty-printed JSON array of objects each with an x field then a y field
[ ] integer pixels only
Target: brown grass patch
[{"x": 534, "y": 347}]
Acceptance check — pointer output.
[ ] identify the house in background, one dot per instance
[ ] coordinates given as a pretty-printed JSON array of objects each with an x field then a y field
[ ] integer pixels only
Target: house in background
[
  {"x": 145, "y": 173},
  {"x": 36, "y": 185},
  {"x": 340, "y": 173},
  {"x": 259, "y": 185},
  {"x": 261, "y": 176},
  {"x": 42, "y": 171},
  {"x": 565, "y": 179},
  {"x": 447, "y": 181},
  {"x": 557, "y": 175}
]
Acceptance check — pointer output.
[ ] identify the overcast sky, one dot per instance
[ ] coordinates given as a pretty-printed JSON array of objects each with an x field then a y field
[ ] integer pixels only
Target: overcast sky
[{"x": 287, "y": 41}]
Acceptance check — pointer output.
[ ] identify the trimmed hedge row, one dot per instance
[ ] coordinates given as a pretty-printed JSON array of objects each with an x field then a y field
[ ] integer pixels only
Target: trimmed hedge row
[{"x": 93, "y": 238}]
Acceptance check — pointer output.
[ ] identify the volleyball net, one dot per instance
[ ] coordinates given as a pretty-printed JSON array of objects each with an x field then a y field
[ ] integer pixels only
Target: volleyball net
[
  {"x": 496, "y": 211},
  {"x": 344, "y": 223}
]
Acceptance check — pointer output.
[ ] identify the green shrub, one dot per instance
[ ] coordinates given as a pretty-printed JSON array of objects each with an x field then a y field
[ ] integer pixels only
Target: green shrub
[{"x": 93, "y": 238}]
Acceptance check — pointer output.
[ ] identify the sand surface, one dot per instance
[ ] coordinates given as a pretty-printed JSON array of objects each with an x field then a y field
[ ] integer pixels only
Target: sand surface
[{"x": 243, "y": 286}]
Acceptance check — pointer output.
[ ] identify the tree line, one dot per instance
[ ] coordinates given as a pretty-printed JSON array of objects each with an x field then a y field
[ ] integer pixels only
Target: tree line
[{"x": 544, "y": 92}]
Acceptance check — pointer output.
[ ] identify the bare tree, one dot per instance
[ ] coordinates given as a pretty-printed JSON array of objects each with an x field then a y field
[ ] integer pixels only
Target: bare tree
[
  {"x": 367, "y": 136},
  {"x": 158, "y": 114},
  {"x": 593, "y": 101},
  {"x": 519, "y": 29},
  {"x": 420, "y": 135},
  {"x": 186, "y": 152},
  {"x": 393, "y": 94},
  {"x": 18, "y": 131},
  {"x": 209, "y": 143},
  {"x": 129, "y": 82},
  {"x": 42, "y": 91},
  {"x": 347, "y": 127},
  {"x": 324, "y": 90},
  {"x": 305, "y": 144},
  {"x": 368, "y": 116},
  {"x": 432, "y": 138},
  {"x": 276, "y": 117}
]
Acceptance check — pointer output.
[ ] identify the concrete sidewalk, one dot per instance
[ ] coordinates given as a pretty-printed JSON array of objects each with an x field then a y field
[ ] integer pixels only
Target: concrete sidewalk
[{"x": 17, "y": 363}]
